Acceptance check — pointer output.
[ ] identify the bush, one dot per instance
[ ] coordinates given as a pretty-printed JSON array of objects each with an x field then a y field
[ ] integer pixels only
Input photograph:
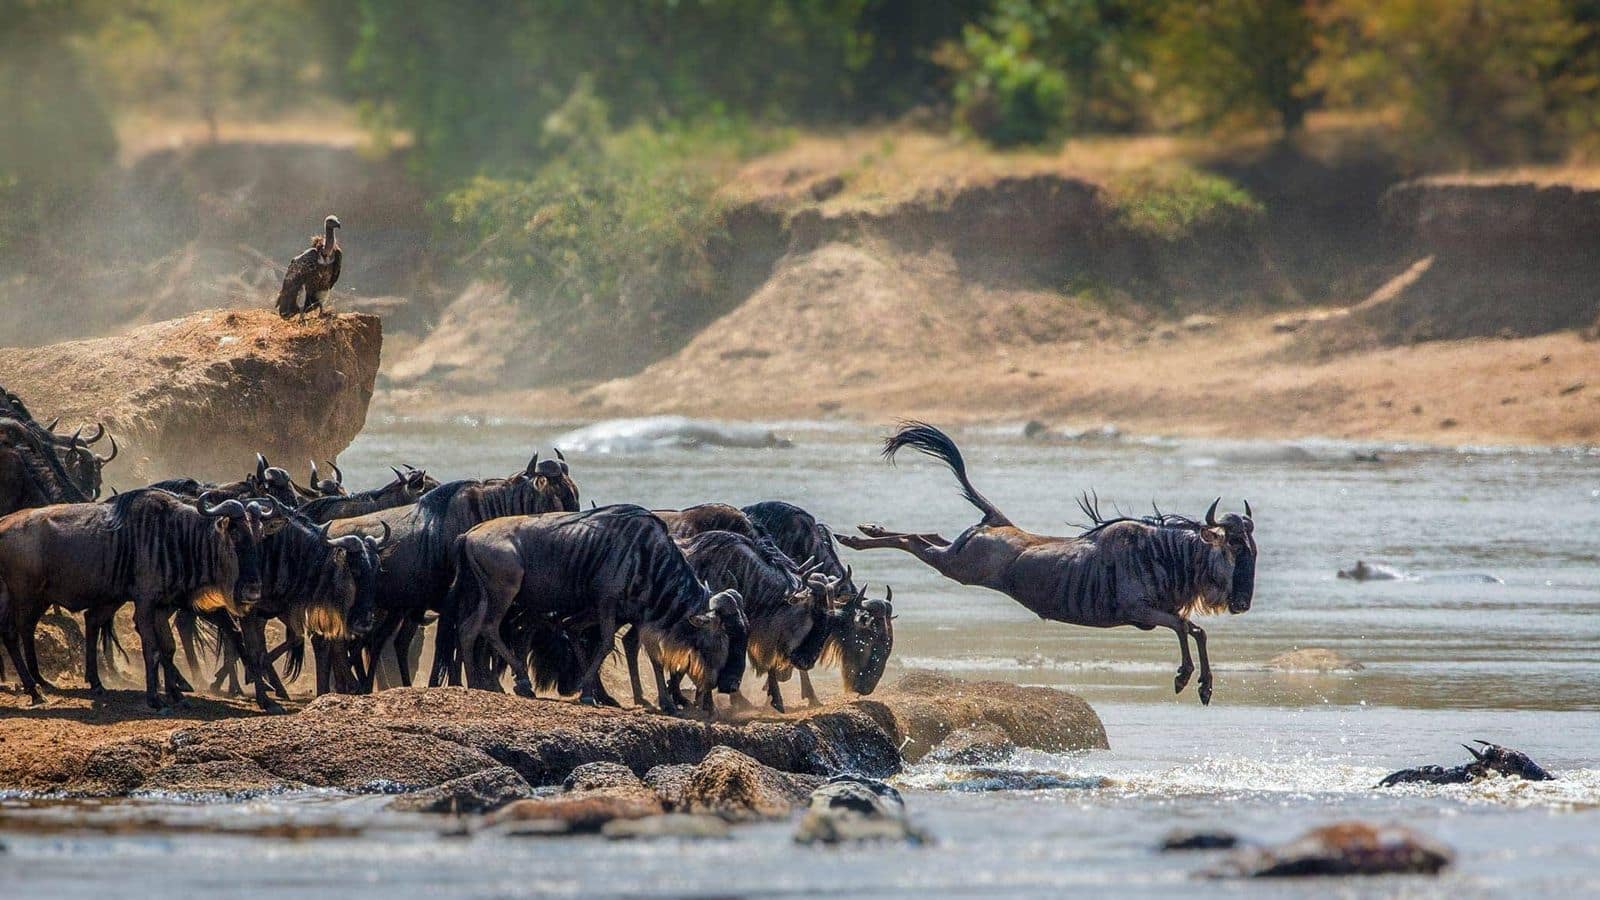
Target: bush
[
  {"x": 1006, "y": 95},
  {"x": 1172, "y": 202}
]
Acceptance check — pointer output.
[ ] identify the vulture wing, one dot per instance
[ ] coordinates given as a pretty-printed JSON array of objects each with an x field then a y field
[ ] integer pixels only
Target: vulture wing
[
  {"x": 294, "y": 281},
  {"x": 333, "y": 268}
]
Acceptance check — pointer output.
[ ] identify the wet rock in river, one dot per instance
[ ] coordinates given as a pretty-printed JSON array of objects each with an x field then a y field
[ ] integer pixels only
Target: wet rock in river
[
  {"x": 234, "y": 778},
  {"x": 926, "y": 707},
  {"x": 1183, "y": 839},
  {"x": 975, "y": 745},
  {"x": 581, "y": 813},
  {"x": 476, "y": 793},
  {"x": 730, "y": 784},
  {"x": 852, "y": 808},
  {"x": 670, "y": 825},
  {"x": 1344, "y": 848}
]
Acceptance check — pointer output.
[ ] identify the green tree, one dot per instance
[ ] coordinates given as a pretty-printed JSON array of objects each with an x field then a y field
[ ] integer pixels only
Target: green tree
[{"x": 1239, "y": 58}]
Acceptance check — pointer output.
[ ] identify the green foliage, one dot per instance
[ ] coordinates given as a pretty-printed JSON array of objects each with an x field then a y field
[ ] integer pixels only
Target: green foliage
[
  {"x": 1239, "y": 58},
  {"x": 57, "y": 136},
  {"x": 1007, "y": 94},
  {"x": 623, "y": 228},
  {"x": 1172, "y": 202},
  {"x": 1487, "y": 81}
]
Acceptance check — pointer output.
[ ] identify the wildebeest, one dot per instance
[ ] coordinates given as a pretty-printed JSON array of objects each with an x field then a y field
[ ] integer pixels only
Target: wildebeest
[
  {"x": 31, "y": 471},
  {"x": 685, "y": 523},
  {"x": 417, "y": 565},
  {"x": 789, "y": 608},
  {"x": 1492, "y": 758},
  {"x": 328, "y": 487},
  {"x": 146, "y": 545},
  {"x": 861, "y": 630},
  {"x": 406, "y": 488},
  {"x": 589, "y": 573},
  {"x": 315, "y": 584},
  {"x": 1152, "y": 572}
]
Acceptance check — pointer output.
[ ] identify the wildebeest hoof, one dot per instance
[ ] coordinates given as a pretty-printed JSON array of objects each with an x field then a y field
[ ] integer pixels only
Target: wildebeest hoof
[
  {"x": 778, "y": 705},
  {"x": 1205, "y": 693},
  {"x": 1182, "y": 680},
  {"x": 35, "y": 699},
  {"x": 274, "y": 709},
  {"x": 523, "y": 688},
  {"x": 589, "y": 700},
  {"x": 97, "y": 690},
  {"x": 47, "y": 684}
]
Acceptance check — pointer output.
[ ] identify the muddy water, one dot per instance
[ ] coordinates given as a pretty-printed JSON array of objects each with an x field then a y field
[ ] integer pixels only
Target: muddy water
[{"x": 1445, "y": 658}]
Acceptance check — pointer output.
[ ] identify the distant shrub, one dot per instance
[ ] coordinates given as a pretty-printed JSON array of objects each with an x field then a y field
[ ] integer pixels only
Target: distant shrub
[
  {"x": 1006, "y": 95},
  {"x": 1171, "y": 202}
]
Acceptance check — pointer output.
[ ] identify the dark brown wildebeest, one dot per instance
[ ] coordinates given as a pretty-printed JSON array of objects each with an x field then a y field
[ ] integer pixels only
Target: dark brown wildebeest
[
  {"x": 328, "y": 487},
  {"x": 417, "y": 565},
  {"x": 1492, "y": 758},
  {"x": 685, "y": 523},
  {"x": 589, "y": 573},
  {"x": 1148, "y": 573},
  {"x": 406, "y": 488},
  {"x": 148, "y": 546},
  {"x": 861, "y": 632}
]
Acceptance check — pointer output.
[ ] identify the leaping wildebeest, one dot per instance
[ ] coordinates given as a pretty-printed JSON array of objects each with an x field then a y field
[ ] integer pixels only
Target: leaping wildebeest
[{"x": 1148, "y": 572}]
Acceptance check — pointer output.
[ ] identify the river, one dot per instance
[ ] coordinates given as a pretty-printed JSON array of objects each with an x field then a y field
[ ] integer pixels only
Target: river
[{"x": 1445, "y": 658}]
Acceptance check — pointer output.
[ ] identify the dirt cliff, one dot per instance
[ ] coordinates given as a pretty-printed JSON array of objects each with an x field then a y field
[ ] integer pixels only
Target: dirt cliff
[{"x": 200, "y": 395}]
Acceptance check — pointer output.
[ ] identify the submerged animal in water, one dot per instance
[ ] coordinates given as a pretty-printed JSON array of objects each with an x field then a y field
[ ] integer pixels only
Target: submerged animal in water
[
  {"x": 1148, "y": 572},
  {"x": 1365, "y": 571},
  {"x": 1492, "y": 758},
  {"x": 313, "y": 273}
]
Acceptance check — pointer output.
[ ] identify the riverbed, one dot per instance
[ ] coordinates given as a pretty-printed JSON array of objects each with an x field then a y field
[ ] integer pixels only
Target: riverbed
[{"x": 1445, "y": 657}]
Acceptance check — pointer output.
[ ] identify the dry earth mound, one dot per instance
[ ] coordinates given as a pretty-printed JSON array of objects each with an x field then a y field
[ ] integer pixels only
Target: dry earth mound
[{"x": 199, "y": 396}]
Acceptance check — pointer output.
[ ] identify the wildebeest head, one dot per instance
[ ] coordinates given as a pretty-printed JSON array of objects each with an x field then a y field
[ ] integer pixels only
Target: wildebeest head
[
  {"x": 552, "y": 479},
  {"x": 80, "y": 461},
  {"x": 271, "y": 481},
  {"x": 362, "y": 559},
  {"x": 239, "y": 525},
  {"x": 1504, "y": 760},
  {"x": 862, "y": 634},
  {"x": 1234, "y": 536},
  {"x": 725, "y": 613},
  {"x": 412, "y": 483},
  {"x": 328, "y": 487}
]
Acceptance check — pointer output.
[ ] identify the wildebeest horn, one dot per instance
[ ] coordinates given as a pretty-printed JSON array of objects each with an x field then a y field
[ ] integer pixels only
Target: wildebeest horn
[
  {"x": 105, "y": 459},
  {"x": 100, "y": 432},
  {"x": 888, "y": 594},
  {"x": 75, "y": 436},
  {"x": 233, "y": 509},
  {"x": 387, "y": 533},
  {"x": 398, "y": 475},
  {"x": 561, "y": 456},
  {"x": 53, "y": 423},
  {"x": 314, "y": 479},
  {"x": 1475, "y": 754},
  {"x": 264, "y": 507},
  {"x": 261, "y": 467},
  {"x": 324, "y": 528},
  {"x": 1247, "y": 511},
  {"x": 338, "y": 476},
  {"x": 532, "y": 463},
  {"x": 1211, "y": 514}
]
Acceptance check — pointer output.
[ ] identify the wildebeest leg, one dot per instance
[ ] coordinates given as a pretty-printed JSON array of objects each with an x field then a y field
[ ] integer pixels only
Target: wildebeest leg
[
  {"x": 14, "y": 648},
  {"x": 807, "y": 692},
  {"x": 607, "y": 637},
  {"x": 227, "y": 671},
  {"x": 1153, "y": 618},
  {"x": 252, "y": 640},
  {"x": 774, "y": 693},
  {"x": 176, "y": 683},
  {"x": 403, "y": 635},
  {"x": 31, "y": 654},
  {"x": 664, "y": 699},
  {"x": 144, "y": 616},
  {"x": 1205, "y": 663},
  {"x": 630, "y": 652},
  {"x": 95, "y": 620}
]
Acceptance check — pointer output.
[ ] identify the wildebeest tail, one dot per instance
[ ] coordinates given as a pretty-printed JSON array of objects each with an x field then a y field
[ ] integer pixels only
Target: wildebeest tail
[
  {"x": 464, "y": 599},
  {"x": 296, "y": 658},
  {"x": 928, "y": 440},
  {"x": 187, "y": 625}
]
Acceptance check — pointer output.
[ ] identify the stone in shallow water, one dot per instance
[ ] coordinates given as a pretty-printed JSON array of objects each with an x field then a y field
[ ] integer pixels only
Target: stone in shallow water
[
  {"x": 974, "y": 745},
  {"x": 475, "y": 793},
  {"x": 1180, "y": 839},
  {"x": 852, "y": 808},
  {"x": 671, "y": 825},
  {"x": 734, "y": 786},
  {"x": 1343, "y": 848}
]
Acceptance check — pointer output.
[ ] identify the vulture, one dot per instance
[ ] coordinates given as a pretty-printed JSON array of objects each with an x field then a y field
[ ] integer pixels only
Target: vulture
[{"x": 315, "y": 271}]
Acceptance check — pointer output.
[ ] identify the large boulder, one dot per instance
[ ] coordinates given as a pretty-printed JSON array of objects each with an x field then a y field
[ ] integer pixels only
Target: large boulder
[
  {"x": 200, "y": 395},
  {"x": 475, "y": 793},
  {"x": 925, "y": 708},
  {"x": 730, "y": 784},
  {"x": 1343, "y": 848},
  {"x": 851, "y": 808}
]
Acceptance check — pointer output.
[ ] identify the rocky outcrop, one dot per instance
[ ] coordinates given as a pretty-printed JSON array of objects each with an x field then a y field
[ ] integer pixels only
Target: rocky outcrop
[
  {"x": 979, "y": 744},
  {"x": 925, "y": 707},
  {"x": 850, "y": 808},
  {"x": 466, "y": 749},
  {"x": 199, "y": 396}
]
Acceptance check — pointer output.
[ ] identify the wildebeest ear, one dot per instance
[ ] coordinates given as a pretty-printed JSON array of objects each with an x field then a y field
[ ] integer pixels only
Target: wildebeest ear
[
  {"x": 1214, "y": 535},
  {"x": 703, "y": 620}
]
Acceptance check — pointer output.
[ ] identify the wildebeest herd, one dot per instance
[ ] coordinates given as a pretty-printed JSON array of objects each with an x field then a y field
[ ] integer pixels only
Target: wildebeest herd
[{"x": 515, "y": 577}]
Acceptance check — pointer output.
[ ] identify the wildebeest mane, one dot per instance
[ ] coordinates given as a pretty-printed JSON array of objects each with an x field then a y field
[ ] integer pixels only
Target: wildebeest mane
[
  {"x": 1089, "y": 503},
  {"x": 44, "y": 466}
]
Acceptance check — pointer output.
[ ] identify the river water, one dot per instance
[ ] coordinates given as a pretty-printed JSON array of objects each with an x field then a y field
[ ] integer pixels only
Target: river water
[{"x": 1446, "y": 657}]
